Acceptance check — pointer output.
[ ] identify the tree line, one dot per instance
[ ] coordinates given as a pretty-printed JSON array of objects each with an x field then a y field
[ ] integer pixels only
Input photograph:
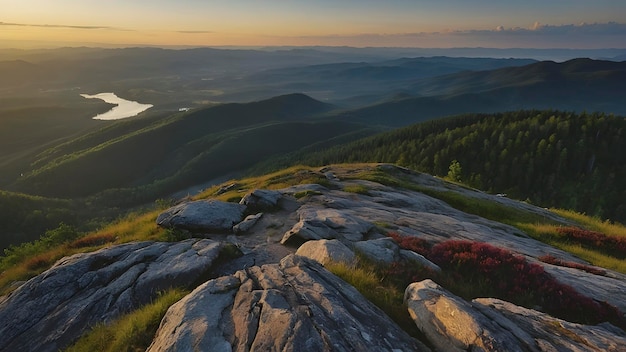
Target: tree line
[{"x": 549, "y": 158}]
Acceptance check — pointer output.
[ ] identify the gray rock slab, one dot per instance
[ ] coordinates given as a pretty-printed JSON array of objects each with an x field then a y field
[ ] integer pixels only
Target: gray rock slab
[
  {"x": 261, "y": 199},
  {"x": 383, "y": 250},
  {"x": 487, "y": 324},
  {"x": 549, "y": 333},
  {"x": 293, "y": 306},
  {"x": 325, "y": 251},
  {"x": 318, "y": 222},
  {"x": 202, "y": 215},
  {"x": 51, "y": 310},
  {"x": 247, "y": 223}
]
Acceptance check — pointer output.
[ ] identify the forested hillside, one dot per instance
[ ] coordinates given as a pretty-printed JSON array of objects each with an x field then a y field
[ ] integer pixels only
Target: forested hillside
[{"x": 550, "y": 158}]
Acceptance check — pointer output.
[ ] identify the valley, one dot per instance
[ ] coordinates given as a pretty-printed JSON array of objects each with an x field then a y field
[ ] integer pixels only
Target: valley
[
  {"x": 245, "y": 110},
  {"x": 291, "y": 181}
]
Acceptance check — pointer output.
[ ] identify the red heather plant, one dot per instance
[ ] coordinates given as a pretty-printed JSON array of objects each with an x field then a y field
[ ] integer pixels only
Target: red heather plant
[
  {"x": 568, "y": 264},
  {"x": 510, "y": 277},
  {"x": 475, "y": 269},
  {"x": 610, "y": 244},
  {"x": 411, "y": 243}
]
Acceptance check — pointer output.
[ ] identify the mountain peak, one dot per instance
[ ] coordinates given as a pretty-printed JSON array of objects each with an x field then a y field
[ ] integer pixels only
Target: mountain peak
[{"x": 261, "y": 288}]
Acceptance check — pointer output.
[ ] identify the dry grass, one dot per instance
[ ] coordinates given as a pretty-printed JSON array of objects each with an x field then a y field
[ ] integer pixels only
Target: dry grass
[
  {"x": 595, "y": 224},
  {"x": 132, "y": 332},
  {"x": 384, "y": 295}
]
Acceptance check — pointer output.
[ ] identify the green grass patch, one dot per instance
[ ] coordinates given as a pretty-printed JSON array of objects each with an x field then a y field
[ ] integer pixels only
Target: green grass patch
[
  {"x": 358, "y": 189},
  {"x": 20, "y": 263},
  {"x": 131, "y": 332},
  {"x": 593, "y": 223},
  {"x": 488, "y": 209},
  {"x": 366, "y": 278},
  {"x": 306, "y": 193},
  {"x": 595, "y": 255}
]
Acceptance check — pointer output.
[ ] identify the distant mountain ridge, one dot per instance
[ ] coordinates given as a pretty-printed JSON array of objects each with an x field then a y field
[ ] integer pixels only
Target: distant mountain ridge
[{"x": 579, "y": 85}]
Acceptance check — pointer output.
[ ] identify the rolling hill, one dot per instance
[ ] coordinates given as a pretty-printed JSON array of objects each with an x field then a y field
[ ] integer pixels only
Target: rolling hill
[
  {"x": 575, "y": 85},
  {"x": 182, "y": 149}
]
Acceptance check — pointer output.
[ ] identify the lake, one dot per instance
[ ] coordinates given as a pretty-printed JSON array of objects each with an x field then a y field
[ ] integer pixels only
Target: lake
[{"x": 123, "y": 109}]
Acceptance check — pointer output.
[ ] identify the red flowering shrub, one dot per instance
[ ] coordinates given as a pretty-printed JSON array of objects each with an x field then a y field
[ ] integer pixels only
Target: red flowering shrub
[
  {"x": 507, "y": 276},
  {"x": 568, "y": 264},
  {"x": 610, "y": 244},
  {"x": 411, "y": 243},
  {"x": 475, "y": 269}
]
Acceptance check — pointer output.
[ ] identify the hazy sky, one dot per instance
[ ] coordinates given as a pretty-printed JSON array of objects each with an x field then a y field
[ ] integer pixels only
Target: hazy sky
[{"x": 417, "y": 23}]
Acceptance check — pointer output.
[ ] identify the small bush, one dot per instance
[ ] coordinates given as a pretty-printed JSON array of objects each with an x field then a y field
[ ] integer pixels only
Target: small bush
[
  {"x": 475, "y": 269},
  {"x": 411, "y": 243},
  {"x": 568, "y": 264},
  {"x": 62, "y": 234},
  {"x": 615, "y": 246},
  {"x": 507, "y": 276}
]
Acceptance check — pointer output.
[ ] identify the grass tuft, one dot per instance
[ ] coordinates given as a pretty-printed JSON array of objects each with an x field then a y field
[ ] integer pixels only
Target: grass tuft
[
  {"x": 131, "y": 332},
  {"x": 369, "y": 280}
]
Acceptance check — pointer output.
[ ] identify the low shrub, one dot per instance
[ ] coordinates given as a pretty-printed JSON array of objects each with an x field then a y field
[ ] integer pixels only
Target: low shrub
[
  {"x": 612, "y": 245},
  {"x": 475, "y": 269},
  {"x": 568, "y": 264},
  {"x": 411, "y": 243}
]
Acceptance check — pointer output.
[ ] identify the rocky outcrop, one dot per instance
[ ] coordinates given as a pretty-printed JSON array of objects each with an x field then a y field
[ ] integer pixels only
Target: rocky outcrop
[
  {"x": 51, "y": 310},
  {"x": 257, "y": 301},
  {"x": 202, "y": 215},
  {"x": 325, "y": 251},
  {"x": 383, "y": 250},
  {"x": 247, "y": 223},
  {"x": 453, "y": 324},
  {"x": 326, "y": 223},
  {"x": 261, "y": 199},
  {"x": 293, "y": 306}
]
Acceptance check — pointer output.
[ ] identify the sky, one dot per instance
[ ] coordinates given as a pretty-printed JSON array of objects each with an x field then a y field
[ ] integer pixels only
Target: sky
[{"x": 582, "y": 24}]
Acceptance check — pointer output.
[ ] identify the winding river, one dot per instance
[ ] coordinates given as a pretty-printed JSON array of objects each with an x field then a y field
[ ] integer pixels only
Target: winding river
[{"x": 123, "y": 109}]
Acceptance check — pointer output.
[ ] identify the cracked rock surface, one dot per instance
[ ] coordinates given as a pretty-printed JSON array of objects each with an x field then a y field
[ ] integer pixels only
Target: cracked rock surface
[
  {"x": 488, "y": 324},
  {"x": 295, "y": 305},
  {"x": 51, "y": 310}
]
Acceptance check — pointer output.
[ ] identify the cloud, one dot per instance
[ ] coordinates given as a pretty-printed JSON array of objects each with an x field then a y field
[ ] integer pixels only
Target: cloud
[
  {"x": 610, "y": 28},
  {"x": 579, "y": 36},
  {"x": 195, "y": 32},
  {"x": 60, "y": 26}
]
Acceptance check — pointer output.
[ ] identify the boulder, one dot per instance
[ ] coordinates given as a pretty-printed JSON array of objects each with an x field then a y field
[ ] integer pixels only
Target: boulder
[
  {"x": 247, "y": 223},
  {"x": 203, "y": 215},
  {"x": 293, "y": 306},
  {"x": 324, "y": 251},
  {"x": 308, "y": 230},
  {"x": 261, "y": 199},
  {"x": 323, "y": 223},
  {"x": 382, "y": 250},
  {"x": 453, "y": 324},
  {"x": 419, "y": 259},
  {"x": 53, "y": 309}
]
